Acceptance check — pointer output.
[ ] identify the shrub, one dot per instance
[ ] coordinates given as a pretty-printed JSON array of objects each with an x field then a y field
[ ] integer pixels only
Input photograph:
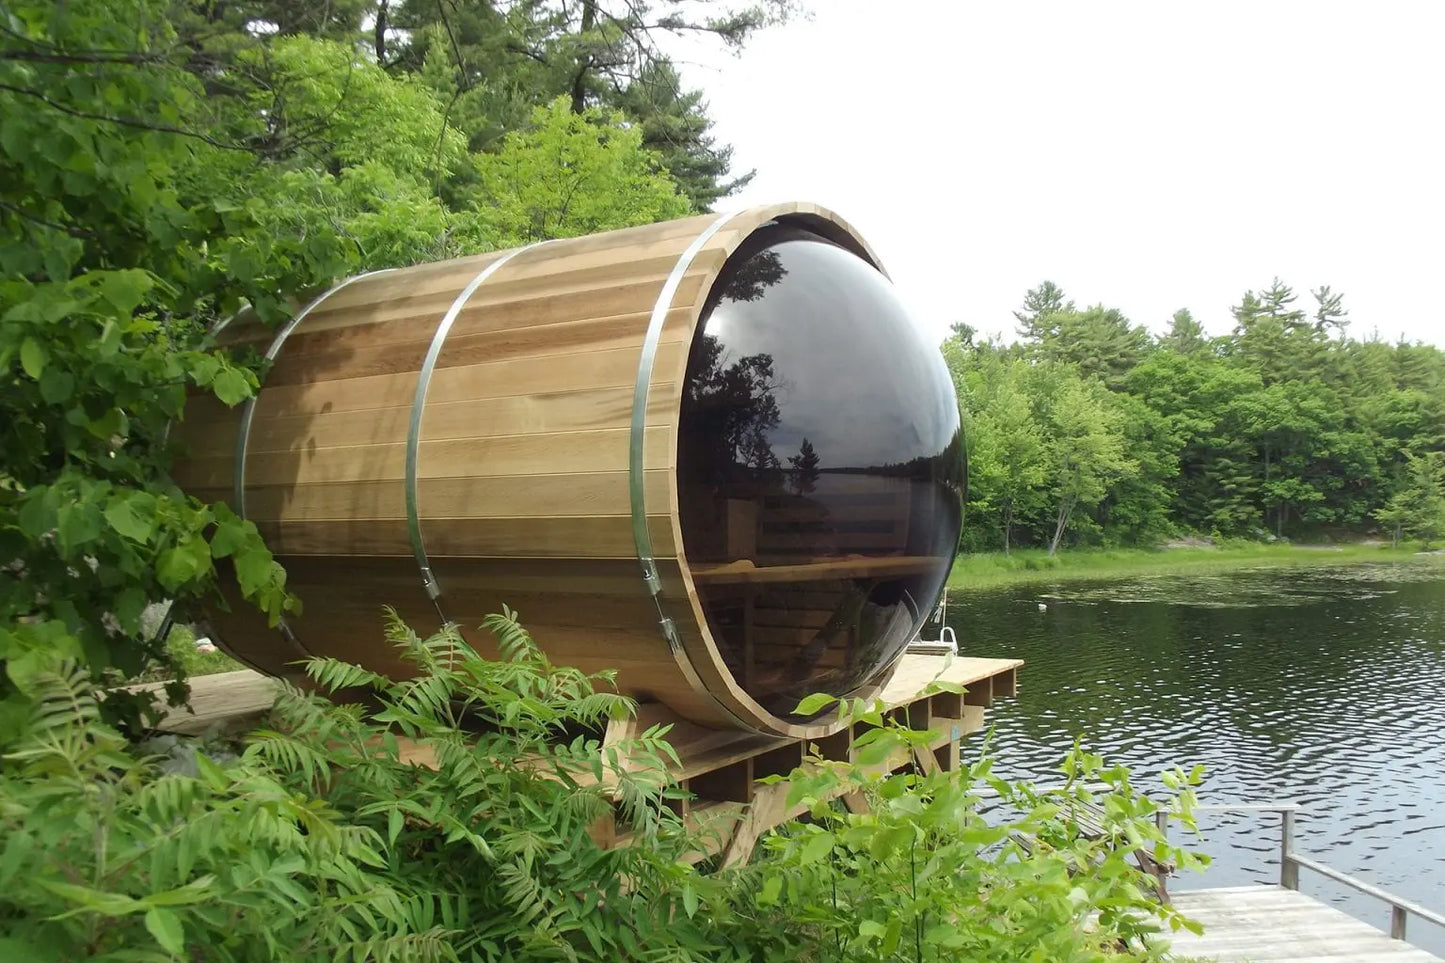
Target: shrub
[
  {"x": 320, "y": 843},
  {"x": 319, "y": 840},
  {"x": 926, "y": 874}
]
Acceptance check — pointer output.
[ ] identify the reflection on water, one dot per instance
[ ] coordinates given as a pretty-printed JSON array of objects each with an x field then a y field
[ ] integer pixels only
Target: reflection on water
[{"x": 1321, "y": 686}]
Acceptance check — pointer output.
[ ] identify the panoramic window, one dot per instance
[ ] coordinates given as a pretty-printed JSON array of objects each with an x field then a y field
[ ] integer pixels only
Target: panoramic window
[{"x": 820, "y": 469}]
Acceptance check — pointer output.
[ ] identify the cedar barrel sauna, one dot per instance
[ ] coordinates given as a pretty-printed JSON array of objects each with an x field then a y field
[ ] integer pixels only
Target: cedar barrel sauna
[{"x": 714, "y": 454}]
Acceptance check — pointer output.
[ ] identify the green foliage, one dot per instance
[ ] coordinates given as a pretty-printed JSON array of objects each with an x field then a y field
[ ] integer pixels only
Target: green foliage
[
  {"x": 568, "y": 175},
  {"x": 320, "y": 843},
  {"x": 1088, "y": 432},
  {"x": 1417, "y": 509},
  {"x": 675, "y": 125},
  {"x": 321, "y": 839},
  {"x": 495, "y": 63},
  {"x": 107, "y": 288},
  {"x": 929, "y": 873},
  {"x": 181, "y": 644}
]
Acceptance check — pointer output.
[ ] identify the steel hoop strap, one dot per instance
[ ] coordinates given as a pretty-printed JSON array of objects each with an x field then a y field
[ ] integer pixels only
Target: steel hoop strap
[
  {"x": 248, "y": 407},
  {"x": 248, "y": 414},
  {"x": 636, "y": 470},
  {"x": 418, "y": 407}
]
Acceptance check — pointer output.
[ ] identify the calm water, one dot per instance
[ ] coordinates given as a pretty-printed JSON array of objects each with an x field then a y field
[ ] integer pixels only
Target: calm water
[{"x": 1321, "y": 686}]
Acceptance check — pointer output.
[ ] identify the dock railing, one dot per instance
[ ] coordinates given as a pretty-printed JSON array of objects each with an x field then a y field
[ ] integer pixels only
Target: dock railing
[{"x": 1290, "y": 863}]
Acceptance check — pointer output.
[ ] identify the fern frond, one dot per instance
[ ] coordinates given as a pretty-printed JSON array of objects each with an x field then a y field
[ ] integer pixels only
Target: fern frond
[
  {"x": 513, "y": 641},
  {"x": 63, "y": 697},
  {"x": 334, "y": 675},
  {"x": 289, "y": 755},
  {"x": 431, "y": 946}
]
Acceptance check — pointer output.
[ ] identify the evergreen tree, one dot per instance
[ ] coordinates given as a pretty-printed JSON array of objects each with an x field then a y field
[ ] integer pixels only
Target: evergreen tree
[
  {"x": 1186, "y": 335},
  {"x": 1041, "y": 305},
  {"x": 804, "y": 466}
]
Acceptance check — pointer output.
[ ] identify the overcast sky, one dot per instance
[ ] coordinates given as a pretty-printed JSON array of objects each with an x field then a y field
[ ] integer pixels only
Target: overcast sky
[{"x": 1149, "y": 155}]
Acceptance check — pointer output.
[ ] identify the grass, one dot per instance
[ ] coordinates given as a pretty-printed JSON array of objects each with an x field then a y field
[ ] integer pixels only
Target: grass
[
  {"x": 182, "y": 644},
  {"x": 1032, "y": 566}
]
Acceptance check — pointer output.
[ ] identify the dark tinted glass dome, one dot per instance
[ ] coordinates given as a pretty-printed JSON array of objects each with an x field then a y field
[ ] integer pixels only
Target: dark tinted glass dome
[{"x": 820, "y": 469}]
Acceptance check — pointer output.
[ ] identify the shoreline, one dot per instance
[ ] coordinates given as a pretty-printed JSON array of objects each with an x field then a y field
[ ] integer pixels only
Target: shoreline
[{"x": 989, "y": 570}]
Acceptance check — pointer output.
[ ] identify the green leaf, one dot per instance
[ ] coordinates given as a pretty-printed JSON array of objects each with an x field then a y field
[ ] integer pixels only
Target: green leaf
[
  {"x": 814, "y": 703},
  {"x": 255, "y": 569},
  {"x": 771, "y": 890},
  {"x": 818, "y": 846},
  {"x": 132, "y": 515},
  {"x": 888, "y": 841},
  {"x": 129, "y": 605},
  {"x": 78, "y": 524},
  {"x": 166, "y": 927},
  {"x": 125, "y": 290},
  {"x": 56, "y": 385},
  {"x": 196, "y": 891},
  {"x": 37, "y": 514},
  {"x": 212, "y": 775},
  {"x": 183, "y": 563},
  {"x": 394, "y": 822},
  {"x": 90, "y": 900},
  {"x": 874, "y": 747},
  {"x": 33, "y": 357},
  {"x": 232, "y": 533},
  {"x": 231, "y": 386},
  {"x": 13, "y": 948},
  {"x": 689, "y": 901}
]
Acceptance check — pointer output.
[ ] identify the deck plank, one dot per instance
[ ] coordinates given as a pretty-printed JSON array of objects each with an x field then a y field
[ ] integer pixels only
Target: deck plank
[
  {"x": 218, "y": 700},
  {"x": 1270, "y": 924}
]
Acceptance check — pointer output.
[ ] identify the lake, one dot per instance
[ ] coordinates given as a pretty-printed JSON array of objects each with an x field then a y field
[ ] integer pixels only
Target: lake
[{"x": 1324, "y": 686}]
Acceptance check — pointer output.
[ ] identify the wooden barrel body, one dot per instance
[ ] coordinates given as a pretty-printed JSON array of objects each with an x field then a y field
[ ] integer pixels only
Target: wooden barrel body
[{"x": 600, "y": 433}]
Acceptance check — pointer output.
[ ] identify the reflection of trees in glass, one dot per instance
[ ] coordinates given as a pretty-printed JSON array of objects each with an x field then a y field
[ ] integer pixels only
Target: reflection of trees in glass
[
  {"x": 805, "y": 468},
  {"x": 731, "y": 406},
  {"x": 730, "y": 411},
  {"x": 753, "y": 277},
  {"x": 949, "y": 465}
]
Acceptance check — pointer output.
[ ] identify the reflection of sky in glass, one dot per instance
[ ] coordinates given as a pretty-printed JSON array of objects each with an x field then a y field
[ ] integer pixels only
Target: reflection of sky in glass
[{"x": 856, "y": 376}]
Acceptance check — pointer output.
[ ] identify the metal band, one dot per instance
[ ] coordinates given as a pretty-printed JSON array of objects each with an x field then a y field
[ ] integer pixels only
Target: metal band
[
  {"x": 248, "y": 407},
  {"x": 248, "y": 413},
  {"x": 418, "y": 407},
  {"x": 636, "y": 466}
]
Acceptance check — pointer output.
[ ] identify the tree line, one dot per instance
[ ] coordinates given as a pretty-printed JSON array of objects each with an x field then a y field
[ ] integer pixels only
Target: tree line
[{"x": 1088, "y": 430}]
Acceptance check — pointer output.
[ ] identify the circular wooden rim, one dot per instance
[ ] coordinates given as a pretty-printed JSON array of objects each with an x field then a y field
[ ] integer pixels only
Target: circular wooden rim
[{"x": 705, "y": 669}]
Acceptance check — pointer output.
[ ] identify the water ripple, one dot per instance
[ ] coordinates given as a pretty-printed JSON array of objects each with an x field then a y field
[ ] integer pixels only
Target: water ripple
[{"x": 1323, "y": 687}]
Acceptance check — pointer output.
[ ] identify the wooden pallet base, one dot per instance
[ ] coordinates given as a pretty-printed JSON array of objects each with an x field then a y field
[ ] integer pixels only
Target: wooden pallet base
[{"x": 722, "y": 771}]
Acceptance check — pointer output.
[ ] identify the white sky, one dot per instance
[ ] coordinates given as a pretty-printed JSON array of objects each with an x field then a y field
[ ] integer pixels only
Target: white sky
[{"x": 1146, "y": 155}]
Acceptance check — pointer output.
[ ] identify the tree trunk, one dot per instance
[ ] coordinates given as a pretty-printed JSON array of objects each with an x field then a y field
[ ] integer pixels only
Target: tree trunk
[
  {"x": 379, "y": 34},
  {"x": 1008, "y": 524},
  {"x": 579, "y": 80},
  {"x": 1066, "y": 508}
]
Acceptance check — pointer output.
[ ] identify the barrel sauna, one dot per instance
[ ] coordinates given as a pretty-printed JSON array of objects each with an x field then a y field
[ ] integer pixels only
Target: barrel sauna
[{"x": 715, "y": 455}]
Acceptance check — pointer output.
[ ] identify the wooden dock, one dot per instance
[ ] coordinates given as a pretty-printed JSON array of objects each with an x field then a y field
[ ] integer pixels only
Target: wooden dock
[{"x": 1271, "y": 924}]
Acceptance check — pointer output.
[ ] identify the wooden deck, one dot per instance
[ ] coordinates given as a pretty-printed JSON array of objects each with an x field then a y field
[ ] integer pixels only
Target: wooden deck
[
  {"x": 1271, "y": 924},
  {"x": 219, "y": 701}
]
